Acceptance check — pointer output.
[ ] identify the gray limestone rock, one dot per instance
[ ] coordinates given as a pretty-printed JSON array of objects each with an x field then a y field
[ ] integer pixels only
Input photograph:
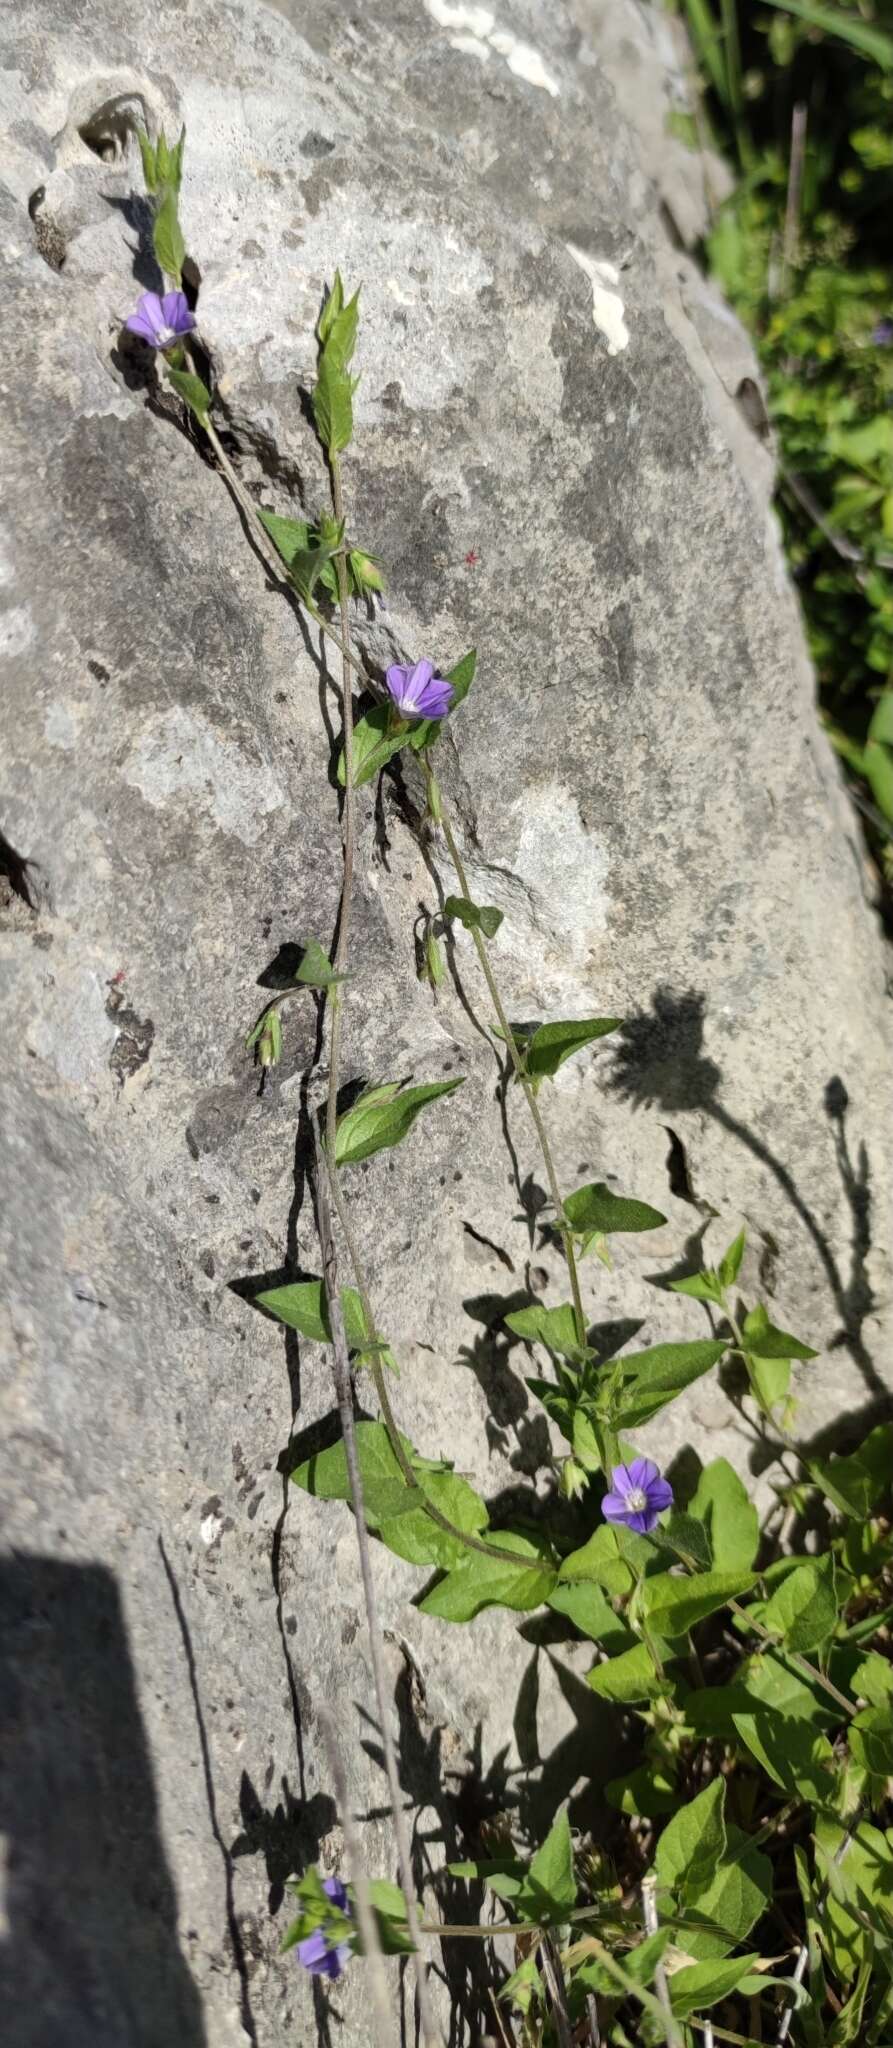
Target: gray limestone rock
[{"x": 551, "y": 462}]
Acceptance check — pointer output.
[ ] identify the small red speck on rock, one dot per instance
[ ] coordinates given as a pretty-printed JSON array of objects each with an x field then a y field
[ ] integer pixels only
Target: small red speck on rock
[
  {"x": 472, "y": 558},
  {"x": 117, "y": 979}
]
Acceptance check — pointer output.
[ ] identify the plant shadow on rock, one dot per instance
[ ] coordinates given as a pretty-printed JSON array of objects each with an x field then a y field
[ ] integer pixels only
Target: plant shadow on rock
[
  {"x": 473, "y": 1813},
  {"x": 91, "y": 1953},
  {"x": 660, "y": 1059}
]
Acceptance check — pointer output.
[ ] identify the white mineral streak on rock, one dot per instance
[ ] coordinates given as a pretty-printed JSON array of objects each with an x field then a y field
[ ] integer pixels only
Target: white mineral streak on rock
[
  {"x": 16, "y": 631},
  {"x": 180, "y": 754},
  {"x": 476, "y": 34},
  {"x": 607, "y": 305}
]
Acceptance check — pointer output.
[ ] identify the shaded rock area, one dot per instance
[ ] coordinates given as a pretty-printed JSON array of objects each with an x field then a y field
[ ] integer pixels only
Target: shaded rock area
[{"x": 553, "y": 463}]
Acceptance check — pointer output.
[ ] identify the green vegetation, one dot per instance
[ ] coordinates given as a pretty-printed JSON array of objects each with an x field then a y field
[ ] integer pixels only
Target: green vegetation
[{"x": 800, "y": 97}]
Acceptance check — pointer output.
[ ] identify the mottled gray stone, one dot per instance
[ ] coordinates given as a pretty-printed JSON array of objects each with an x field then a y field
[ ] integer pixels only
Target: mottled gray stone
[{"x": 641, "y": 785}]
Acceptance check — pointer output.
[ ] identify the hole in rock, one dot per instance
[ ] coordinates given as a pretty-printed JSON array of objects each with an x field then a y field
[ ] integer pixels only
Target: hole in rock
[
  {"x": 47, "y": 233},
  {"x": 111, "y": 129}
]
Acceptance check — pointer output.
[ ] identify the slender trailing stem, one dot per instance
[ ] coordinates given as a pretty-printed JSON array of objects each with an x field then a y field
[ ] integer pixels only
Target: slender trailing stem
[
  {"x": 384, "y": 2018},
  {"x": 430, "y": 2030},
  {"x": 389, "y": 1419},
  {"x": 517, "y": 1059},
  {"x": 649, "y": 1916}
]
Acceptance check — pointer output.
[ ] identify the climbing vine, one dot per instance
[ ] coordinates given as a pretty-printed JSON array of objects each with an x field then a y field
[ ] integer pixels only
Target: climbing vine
[{"x": 744, "y": 1889}]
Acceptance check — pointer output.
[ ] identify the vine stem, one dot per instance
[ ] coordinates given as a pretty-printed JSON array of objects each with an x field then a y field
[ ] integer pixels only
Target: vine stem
[
  {"x": 344, "y": 1389},
  {"x": 349, "y": 662},
  {"x": 384, "y": 2019},
  {"x": 517, "y": 1060}
]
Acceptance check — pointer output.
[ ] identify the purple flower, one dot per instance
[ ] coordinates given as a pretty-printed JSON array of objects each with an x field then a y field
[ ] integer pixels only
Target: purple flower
[
  {"x": 160, "y": 321},
  {"x": 418, "y": 692},
  {"x": 883, "y": 334},
  {"x": 317, "y": 1953},
  {"x": 638, "y": 1495}
]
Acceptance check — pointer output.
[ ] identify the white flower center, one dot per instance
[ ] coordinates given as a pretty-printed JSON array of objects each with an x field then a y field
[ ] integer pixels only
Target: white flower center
[
  {"x": 637, "y": 1500},
  {"x": 166, "y": 335}
]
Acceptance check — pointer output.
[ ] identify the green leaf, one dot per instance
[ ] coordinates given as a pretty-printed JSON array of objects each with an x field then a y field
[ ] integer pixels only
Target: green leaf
[
  {"x": 881, "y": 727},
  {"x": 413, "y": 1535},
  {"x": 628, "y": 1678},
  {"x": 591, "y": 1612},
  {"x": 770, "y": 1379},
  {"x": 878, "y": 765},
  {"x": 858, "y": 1484},
  {"x": 147, "y": 152},
  {"x": 672, "y": 1606},
  {"x": 491, "y": 1582},
  {"x": 798, "y": 1758},
  {"x": 549, "y": 1892},
  {"x": 483, "y": 917},
  {"x": 595, "y": 1208},
  {"x": 654, "y": 1377},
  {"x": 722, "y": 1502},
  {"x": 176, "y": 160},
  {"x": 303, "y": 1306},
  {"x": 693, "y": 1842},
  {"x": 763, "y": 1340},
  {"x": 722, "y": 1914},
  {"x": 289, "y": 536},
  {"x": 857, "y": 1867},
  {"x": 389, "y": 1906},
  {"x": 648, "y": 1791},
  {"x": 699, "y": 1286},
  {"x": 872, "y": 1680},
  {"x": 600, "y": 1559},
  {"x": 803, "y": 1611},
  {"x": 333, "y": 392},
  {"x": 376, "y": 1123},
  {"x": 552, "y": 1044},
  {"x": 374, "y": 744},
  {"x": 871, "y": 1740},
  {"x": 191, "y": 389},
  {"x": 554, "y": 1327},
  {"x": 636, "y": 1972},
  {"x": 316, "y": 970},
  {"x": 730, "y": 1263},
  {"x": 682, "y": 1535},
  {"x": 701, "y": 1984},
  {"x": 386, "y": 1492},
  {"x": 847, "y": 27},
  {"x": 167, "y": 238}
]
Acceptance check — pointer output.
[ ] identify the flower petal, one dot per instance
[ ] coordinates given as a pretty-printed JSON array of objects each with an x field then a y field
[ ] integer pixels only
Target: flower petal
[
  {"x": 312, "y": 1951},
  {"x": 643, "y": 1472},
  {"x": 643, "y": 1521},
  {"x": 337, "y": 1892},
  {"x": 614, "y": 1507},
  {"x": 176, "y": 313},
  {"x": 660, "y": 1495}
]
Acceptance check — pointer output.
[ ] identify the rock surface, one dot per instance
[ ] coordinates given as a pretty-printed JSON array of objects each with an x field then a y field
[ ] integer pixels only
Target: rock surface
[{"x": 551, "y": 462}]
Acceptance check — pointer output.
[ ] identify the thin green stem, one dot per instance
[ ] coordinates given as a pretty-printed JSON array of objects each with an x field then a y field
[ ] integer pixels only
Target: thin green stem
[
  {"x": 517, "y": 1058},
  {"x": 430, "y": 2029}
]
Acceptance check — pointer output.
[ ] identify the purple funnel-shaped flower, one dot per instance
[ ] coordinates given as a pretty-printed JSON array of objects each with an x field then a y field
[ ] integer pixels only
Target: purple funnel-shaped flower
[
  {"x": 638, "y": 1495},
  {"x": 883, "y": 334},
  {"x": 161, "y": 321},
  {"x": 418, "y": 692},
  {"x": 316, "y": 1952}
]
